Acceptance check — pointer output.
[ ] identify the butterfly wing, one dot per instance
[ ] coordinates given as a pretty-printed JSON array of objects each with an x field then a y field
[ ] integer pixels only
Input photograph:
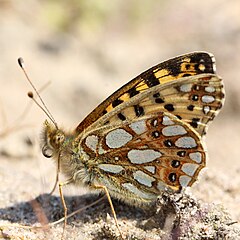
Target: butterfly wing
[
  {"x": 141, "y": 158},
  {"x": 166, "y": 72},
  {"x": 195, "y": 100}
]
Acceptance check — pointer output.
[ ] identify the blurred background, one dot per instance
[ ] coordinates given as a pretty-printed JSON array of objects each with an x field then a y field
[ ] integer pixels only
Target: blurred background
[{"x": 85, "y": 50}]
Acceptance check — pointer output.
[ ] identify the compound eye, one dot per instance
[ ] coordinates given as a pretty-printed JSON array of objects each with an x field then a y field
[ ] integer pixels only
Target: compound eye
[
  {"x": 47, "y": 152},
  {"x": 59, "y": 138}
]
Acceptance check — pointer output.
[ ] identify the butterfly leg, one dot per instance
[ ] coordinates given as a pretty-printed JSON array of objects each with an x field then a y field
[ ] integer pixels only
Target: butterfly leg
[
  {"x": 57, "y": 177},
  {"x": 60, "y": 186},
  {"x": 104, "y": 188}
]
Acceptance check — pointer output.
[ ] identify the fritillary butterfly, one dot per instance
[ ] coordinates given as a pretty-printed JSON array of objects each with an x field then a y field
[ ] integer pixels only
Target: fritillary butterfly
[{"x": 146, "y": 138}]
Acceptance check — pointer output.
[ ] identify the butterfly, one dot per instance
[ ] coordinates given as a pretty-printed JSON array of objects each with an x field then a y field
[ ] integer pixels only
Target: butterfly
[{"x": 147, "y": 137}]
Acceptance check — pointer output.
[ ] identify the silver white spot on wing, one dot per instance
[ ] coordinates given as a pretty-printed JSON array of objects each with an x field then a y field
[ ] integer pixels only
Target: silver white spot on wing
[
  {"x": 155, "y": 122},
  {"x": 186, "y": 142},
  {"x": 208, "y": 99},
  {"x": 143, "y": 178},
  {"x": 173, "y": 130},
  {"x": 184, "y": 180},
  {"x": 206, "y": 109},
  {"x": 151, "y": 169},
  {"x": 210, "y": 89},
  {"x": 138, "y": 127},
  {"x": 167, "y": 121},
  {"x": 100, "y": 149},
  {"x": 196, "y": 87},
  {"x": 189, "y": 168},
  {"x": 196, "y": 156},
  {"x": 186, "y": 87},
  {"x": 111, "y": 168},
  {"x": 118, "y": 138},
  {"x": 92, "y": 142},
  {"x": 133, "y": 189},
  {"x": 143, "y": 156}
]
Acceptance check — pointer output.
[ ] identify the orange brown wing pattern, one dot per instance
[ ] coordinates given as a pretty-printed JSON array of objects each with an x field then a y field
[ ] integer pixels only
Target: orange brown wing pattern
[
  {"x": 171, "y": 70},
  {"x": 142, "y": 158}
]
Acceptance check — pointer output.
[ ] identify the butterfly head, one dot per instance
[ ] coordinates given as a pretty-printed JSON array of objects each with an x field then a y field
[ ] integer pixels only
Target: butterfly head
[{"x": 53, "y": 140}]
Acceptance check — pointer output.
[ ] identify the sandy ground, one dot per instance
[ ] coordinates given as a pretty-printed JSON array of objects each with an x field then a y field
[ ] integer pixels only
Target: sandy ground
[{"x": 107, "y": 53}]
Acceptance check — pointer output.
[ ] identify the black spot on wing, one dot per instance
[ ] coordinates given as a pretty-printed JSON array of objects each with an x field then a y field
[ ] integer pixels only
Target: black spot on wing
[
  {"x": 175, "y": 69},
  {"x": 194, "y": 122},
  {"x": 133, "y": 92},
  {"x": 181, "y": 153},
  {"x": 168, "y": 143},
  {"x": 157, "y": 98},
  {"x": 169, "y": 107},
  {"x": 152, "y": 81},
  {"x": 187, "y": 66},
  {"x": 190, "y": 107},
  {"x": 104, "y": 112},
  {"x": 156, "y": 134},
  {"x": 121, "y": 116},
  {"x": 139, "y": 111},
  {"x": 195, "y": 98},
  {"x": 186, "y": 75},
  {"x": 175, "y": 163},
  {"x": 156, "y": 95},
  {"x": 172, "y": 177},
  {"x": 116, "y": 102}
]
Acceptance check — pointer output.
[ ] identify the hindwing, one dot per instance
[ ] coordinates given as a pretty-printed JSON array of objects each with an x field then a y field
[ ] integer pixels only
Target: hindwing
[{"x": 145, "y": 156}]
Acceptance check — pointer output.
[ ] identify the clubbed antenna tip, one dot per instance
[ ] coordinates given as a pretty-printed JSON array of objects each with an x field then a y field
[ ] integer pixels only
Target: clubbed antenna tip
[
  {"x": 21, "y": 62},
  {"x": 30, "y": 94}
]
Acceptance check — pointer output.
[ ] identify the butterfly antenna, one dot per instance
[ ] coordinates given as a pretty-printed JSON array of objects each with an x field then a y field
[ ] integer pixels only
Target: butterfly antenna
[{"x": 43, "y": 107}]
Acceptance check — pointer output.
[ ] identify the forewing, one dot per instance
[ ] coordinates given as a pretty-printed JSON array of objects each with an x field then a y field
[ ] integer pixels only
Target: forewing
[
  {"x": 195, "y": 100},
  {"x": 142, "y": 158},
  {"x": 166, "y": 72}
]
